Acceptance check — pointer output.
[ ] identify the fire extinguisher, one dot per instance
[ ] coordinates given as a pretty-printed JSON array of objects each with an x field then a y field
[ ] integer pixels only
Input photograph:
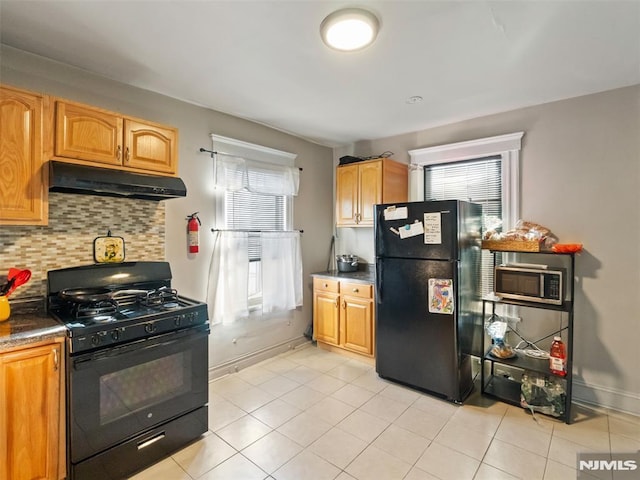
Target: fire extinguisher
[{"x": 193, "y": 227}]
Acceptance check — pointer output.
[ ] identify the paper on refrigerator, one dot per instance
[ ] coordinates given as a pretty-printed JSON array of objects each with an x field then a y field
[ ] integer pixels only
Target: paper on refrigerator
[
  {"x": 411, "y": 230},
  {"x": 441, "y": 296},
  {"x": 433, "y": 228},
  {"x": 396, "y": 213}
]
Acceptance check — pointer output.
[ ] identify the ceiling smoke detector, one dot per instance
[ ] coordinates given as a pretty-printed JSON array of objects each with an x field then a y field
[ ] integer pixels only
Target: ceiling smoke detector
[{"x": 349, "y": 29}]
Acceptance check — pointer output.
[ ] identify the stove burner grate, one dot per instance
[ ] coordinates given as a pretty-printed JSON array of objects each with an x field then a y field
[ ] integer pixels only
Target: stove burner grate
[
  {"x": 162, "y": 296},
  {"x": 101, "y": 311}
]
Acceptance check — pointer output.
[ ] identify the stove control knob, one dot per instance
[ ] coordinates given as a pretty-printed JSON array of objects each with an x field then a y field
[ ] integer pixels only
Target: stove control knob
[
  {"x": 177, "y": 321},
  {"x": 115, "y": 335},
  {"x": 149, "y": 328},
  {"x": 95, "y": 339}
]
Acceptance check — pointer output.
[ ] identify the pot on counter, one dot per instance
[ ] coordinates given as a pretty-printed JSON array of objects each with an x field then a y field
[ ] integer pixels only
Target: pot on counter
[{"x": 347, "y": 263}]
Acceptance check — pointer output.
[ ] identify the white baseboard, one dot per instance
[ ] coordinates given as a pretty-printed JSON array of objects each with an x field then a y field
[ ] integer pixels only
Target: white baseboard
[
  {"x": 606, "y": 397},
  {"x": 252, "y": 358}
]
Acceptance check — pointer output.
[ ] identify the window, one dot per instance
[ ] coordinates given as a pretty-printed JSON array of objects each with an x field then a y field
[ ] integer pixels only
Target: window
[
  {"x": 255, "y": 212},
  {"x": 486, "y": 171},
  {"x": 478, "y": 181},
  {"x": 254, "y": 190}
]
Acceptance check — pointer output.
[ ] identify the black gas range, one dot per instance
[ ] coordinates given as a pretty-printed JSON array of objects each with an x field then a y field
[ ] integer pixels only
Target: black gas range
[
  {"x": 137, "y": 362},
  {"x": 108, "y": 304}
]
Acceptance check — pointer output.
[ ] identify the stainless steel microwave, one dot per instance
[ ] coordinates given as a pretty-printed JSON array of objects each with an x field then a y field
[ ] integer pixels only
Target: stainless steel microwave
[{"x": 530, "y": 283}]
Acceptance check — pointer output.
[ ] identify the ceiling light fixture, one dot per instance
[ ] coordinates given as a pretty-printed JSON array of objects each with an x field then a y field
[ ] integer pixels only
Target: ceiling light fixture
[{"x": 349, "y": 29}]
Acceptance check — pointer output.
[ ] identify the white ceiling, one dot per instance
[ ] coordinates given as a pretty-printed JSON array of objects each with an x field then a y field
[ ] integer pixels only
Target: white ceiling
[{"x": 264, "y": 60}]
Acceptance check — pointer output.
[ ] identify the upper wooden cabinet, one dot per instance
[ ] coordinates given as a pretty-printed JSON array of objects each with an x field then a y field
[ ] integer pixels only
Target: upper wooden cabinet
[
  {"x": 90, "y": 135},
  {"x": 86, "y": 133},
  {"x": 150, "y": 147},
  {"x": 361, "y": 185},
  {"x": 23, "y": 182}
]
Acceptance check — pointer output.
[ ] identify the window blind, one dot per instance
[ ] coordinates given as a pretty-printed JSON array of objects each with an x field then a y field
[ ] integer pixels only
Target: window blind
[
  {"x": 478, "y": 181},
  {"x": 256, "y": 212}
]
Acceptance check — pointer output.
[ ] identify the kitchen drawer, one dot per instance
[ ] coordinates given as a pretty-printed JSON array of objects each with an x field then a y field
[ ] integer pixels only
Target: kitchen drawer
[
  {"x": 325, "y": 285},
  {"x": 360, "y": 290}
]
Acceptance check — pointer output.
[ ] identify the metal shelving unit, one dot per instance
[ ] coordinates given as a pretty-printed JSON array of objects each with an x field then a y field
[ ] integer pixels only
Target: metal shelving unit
[{"x": 508, "y": 389}]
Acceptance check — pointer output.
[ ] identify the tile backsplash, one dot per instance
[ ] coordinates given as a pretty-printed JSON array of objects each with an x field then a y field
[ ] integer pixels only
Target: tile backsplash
[{"x": 74, "y": 222}]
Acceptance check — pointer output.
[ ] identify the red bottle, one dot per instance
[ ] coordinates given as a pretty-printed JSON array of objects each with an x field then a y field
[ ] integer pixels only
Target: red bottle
[{"x": 558, "y": 357}]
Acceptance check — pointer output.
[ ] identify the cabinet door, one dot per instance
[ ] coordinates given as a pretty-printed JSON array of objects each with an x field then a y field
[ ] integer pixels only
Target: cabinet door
[
  {"x": 326, "y": 317},
  {"x": 29, "y": 413},
  {"x": 86, "y": 133},
  {"x": 347, "y": 195},
  {"x": 356, "y": 324},
  {"x": 150, "y": 147},
  {"x": 370, "y": 181},
  {"x": 23, "y": 182}
]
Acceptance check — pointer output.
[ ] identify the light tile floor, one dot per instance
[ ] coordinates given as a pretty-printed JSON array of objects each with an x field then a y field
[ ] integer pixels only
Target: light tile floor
[{"x": 314, "y": 415}]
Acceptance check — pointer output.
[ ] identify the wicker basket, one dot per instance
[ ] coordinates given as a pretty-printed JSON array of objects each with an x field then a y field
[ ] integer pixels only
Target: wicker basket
[{"x": 512, "y": 245}]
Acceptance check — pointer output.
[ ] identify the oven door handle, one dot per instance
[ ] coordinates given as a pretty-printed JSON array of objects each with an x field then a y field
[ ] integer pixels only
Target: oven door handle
[
  {"x": 151, "y": 441},
  {"x": 141, "y": 345}
]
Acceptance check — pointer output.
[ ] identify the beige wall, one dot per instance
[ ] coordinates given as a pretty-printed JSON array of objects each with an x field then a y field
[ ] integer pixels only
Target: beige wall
[
  {"x": 580, "y": 176},
  {"x": 312, "y": 208}
]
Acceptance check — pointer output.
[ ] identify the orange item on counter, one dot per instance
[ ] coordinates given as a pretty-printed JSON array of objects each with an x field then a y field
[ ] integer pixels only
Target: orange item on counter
[{"x": 5, "y": 309}]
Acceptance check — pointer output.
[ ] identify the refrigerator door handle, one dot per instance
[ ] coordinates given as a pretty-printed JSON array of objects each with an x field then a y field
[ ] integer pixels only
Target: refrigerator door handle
[{"x": 379, "y": 277}]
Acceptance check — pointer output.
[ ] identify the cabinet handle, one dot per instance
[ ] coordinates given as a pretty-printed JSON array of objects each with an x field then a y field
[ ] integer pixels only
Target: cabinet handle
[
  {"x": 326, "y": 285},
  {"x": 126, "y": 155},
  {"x": 55, "y": 360},
  {"x": 337, "y": 302},
  {"x": 344, "y": 304},
  {"x": 355, "y": 290},
  {"x": 119, "y": 152}
]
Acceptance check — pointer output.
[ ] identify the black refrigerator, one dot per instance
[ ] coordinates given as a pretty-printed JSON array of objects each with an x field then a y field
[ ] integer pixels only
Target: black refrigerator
[{"x": 428, "y": 311}]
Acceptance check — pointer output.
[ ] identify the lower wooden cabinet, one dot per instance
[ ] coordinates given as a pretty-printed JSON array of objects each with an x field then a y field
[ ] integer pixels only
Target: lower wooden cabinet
[
  {"x": 31, "y": 412},
  {"x": 343, "y": 315},
  {"x": 326, "y": 311}
]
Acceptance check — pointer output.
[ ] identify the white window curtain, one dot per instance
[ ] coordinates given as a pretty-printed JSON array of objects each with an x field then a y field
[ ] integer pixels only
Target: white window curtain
[
  {"x": 234, "y": 173},
  {"x": 227, "y": 298},
  {"x": 281, "y": 271},
  {"x": 257, "y": 197}
]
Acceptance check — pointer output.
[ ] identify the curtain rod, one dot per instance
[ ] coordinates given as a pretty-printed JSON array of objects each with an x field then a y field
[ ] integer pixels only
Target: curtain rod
[
  {"x": 254, "y": 231},
  {"x": 212, "y": 152}
]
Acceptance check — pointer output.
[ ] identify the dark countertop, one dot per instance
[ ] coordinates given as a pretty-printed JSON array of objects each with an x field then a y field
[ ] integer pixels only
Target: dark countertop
[
  {"x": 360, "y": 276},
  {"x": 28, "y": 323}
]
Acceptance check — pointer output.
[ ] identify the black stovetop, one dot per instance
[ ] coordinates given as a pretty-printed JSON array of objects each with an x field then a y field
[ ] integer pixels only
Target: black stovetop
[
  {"x": 106, "y": 318},
  {"x": 112, "y": 322}
]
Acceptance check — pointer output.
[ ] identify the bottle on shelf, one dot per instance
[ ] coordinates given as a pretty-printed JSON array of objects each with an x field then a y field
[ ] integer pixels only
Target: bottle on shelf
[{"x": 558, "y": 357}]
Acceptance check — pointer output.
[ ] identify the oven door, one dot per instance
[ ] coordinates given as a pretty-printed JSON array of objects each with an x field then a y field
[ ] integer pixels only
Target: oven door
[{"x": 119, "y": 392}]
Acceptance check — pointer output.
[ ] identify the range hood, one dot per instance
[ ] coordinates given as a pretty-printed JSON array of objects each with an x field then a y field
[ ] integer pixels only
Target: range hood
[{"x": 71, "y": 178}]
